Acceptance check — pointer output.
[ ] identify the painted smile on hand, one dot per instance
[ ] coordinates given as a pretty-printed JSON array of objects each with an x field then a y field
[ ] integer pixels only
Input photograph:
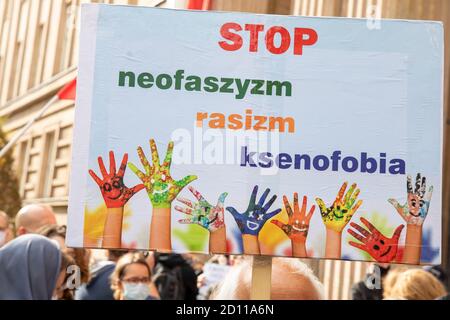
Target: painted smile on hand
[
  {"x": 162, "y": 190},
  {"x": 304, "y": 229},
  {"x": 386, "y": 252},
  {"x": 252, "y": 225}
]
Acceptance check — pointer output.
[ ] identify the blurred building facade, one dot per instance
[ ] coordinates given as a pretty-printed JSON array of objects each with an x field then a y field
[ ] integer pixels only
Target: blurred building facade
[{"x": 38, "y": 55}]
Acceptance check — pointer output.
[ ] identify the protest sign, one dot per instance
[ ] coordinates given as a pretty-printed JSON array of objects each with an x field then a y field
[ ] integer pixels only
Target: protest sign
[{"x": 257, "y": 134}]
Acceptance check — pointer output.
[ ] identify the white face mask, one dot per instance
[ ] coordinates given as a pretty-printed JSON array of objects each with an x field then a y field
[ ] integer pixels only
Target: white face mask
[
  {"x": 2, "y": 238},
  {"x": 135, "y": 291}
]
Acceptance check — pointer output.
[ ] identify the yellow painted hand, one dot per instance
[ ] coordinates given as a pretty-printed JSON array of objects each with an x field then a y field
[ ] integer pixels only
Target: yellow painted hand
[{"x": 341, "y": 211}]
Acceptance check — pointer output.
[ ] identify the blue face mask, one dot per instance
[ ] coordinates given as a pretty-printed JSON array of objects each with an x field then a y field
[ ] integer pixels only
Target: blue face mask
[{"x": 135, "y": 291}]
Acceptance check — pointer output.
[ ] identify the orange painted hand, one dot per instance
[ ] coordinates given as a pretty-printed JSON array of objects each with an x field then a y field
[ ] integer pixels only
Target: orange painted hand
[
  {"x": 341, "y": 211},
  {"x": 298, "y": 225},
  {"x": 381, "y": 248},
  {"x": 113, "y": 190}
]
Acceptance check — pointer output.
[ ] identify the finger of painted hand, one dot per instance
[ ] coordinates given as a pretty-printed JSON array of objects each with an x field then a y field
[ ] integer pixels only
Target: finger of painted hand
[
  {"x": 302, "y": 211},
  {"x": 112, "y": 163},
  {"x": 349, "y": 193},
  {"x": 183, "y": 209},
  {"x": 123, "y": 165},
  {"x": 196, "y": 193},
  {"x": 429, "y": 194},
  {"x": 423, "y": 187},
  {"x": 278, "y": 223},
  {"x": 101, "y": 165},
  {"x": 269, "y": 204},
  {"x": 287, "y": 206},
  {"x": 296, "y": 207},
  {"x": 369, "y": 226},
  {"x": 221, "y": 200},
  {"x": 322, "y": 206},
  {"x": 397, "y": 206},
  {"x": 268, "y": 216},
  {"x": 353, "y": 198},
  {"x": 357, "y": 236},
  {"x": 168, "y": 159},
  {"x": 96, "y": 178},
  {"x": 418, "y": 183},
  {"x": 185, "y": 181},
  {"x": 186, "y": 221},
  {"x": 310, "y": 214},
  {"x": 341, "y": 192},
  {"x": 358, "y": 245},
  {"x": 136, "y": 171},
  {"x": 263, "y": 197},
  {"x": 360, "y": 229},
  {"x": 137, "y": 188},
  {"x": 144, "y": 160},
  {"x": 398, "y": 232},
  {"x": 155, "y": 155},
  {"x": 409, "y": 187},
  {"x": 253, "y": 196},
  {"x": 236, "y": 215},
  {"x": 356, "y": 207},
  {"x": 186, "y": 202}
]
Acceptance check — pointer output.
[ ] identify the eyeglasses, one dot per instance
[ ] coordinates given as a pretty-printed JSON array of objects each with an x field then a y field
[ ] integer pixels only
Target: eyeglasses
[{"x": 137, "y": 280}]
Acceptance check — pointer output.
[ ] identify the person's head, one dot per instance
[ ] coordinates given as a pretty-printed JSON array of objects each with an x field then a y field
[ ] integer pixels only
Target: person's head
[
  {"x": 79, "y": 255},
  {"x": 6, "y": 233},
  {"x": 30, "y": 268},
  {"x": 131, "y": 278},
  {"x": 114, "y": 255},
  {"x": 438, "y": 272},
  {"x": 417, "y": 284},
  {"x": 390, "y": 279},
  {"x": 32, "y": 217},
  {"x": 291, "y": 280},
  {"x": 54, "y": 232}
]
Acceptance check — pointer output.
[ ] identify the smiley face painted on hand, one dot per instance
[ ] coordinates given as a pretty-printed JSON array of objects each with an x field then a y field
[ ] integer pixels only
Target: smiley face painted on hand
[{"x": 380, "y": 247}]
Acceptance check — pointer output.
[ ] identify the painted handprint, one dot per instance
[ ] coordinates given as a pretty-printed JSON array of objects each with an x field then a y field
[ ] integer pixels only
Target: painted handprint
[
  {"x": 297, "y": 227},
  {"x": 343, "y": 208},
  {"x": 416, "y": 208},
  {"x": 252, "y": 220},
  {"x": 161, "y": 188},
  {"x": 113, "y": 190},
  {"x": 380, "y": 247},
  {"x": 202, "y": 212}
]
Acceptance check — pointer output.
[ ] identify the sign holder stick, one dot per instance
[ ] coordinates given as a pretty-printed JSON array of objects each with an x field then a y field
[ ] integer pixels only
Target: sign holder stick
[{"x": 261, "y": 278}]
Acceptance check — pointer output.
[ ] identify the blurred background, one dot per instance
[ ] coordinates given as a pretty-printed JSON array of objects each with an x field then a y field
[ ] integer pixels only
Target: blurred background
[{"x": 38, "y": 56}]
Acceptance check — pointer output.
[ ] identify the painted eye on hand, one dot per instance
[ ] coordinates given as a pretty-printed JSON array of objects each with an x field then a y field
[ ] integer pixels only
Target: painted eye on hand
[
  {"x": 117, "y": 185},
  {"x": 375, "y": 247},
  {"x": 107, "y": 187}
]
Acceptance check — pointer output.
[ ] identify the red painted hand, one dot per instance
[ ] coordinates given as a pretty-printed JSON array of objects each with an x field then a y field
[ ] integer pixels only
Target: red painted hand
[
  {"x": 113, "y": 190},
  {"x": 381, "y": 248}
]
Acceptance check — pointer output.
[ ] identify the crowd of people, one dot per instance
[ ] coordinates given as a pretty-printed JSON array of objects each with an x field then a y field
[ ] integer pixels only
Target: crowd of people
[{"x": 36, "y": 264}]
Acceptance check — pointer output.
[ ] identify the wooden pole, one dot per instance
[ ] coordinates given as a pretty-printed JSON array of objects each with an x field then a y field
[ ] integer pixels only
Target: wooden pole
[{"x": 261, "y": 278}]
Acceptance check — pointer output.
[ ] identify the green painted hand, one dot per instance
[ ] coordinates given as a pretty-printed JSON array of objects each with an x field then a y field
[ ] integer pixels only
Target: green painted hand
[{"x": 161, "y": 188}]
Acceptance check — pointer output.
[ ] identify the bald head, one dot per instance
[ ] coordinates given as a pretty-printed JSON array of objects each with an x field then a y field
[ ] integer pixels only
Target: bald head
[
  {"x": 291, "y": 280},
  {"x": 32, "y": 217}
]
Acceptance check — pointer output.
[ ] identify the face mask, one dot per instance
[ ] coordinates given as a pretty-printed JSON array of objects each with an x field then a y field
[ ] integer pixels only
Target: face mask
[
  {"x": 2, "y": 237},
  {"x": 135, "y": 291}
]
